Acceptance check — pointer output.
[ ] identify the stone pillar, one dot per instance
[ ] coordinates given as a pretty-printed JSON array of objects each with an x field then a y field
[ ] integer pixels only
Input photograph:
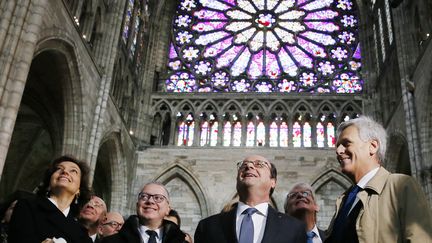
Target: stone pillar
[{"x": 21, "y": 23}]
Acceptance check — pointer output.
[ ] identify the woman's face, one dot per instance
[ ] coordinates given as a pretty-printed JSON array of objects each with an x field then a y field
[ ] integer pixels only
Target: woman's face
[{"x": 67, "y": 176}]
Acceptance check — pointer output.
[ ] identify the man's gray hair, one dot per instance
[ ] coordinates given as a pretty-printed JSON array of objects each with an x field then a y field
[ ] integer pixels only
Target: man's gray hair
[
  {"x": 368, "y": 129},
  {"x": 302, "y": 185}
]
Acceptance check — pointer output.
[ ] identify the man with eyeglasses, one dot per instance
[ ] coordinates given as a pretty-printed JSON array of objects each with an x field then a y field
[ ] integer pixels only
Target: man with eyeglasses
[
  {"x": 300, "y": 203},
  {"x": 149, "y": 225},
  {"x": 252, "y": 220},
  {"x": 91, "y": 215},
  {"x": 111, "y": 224}
]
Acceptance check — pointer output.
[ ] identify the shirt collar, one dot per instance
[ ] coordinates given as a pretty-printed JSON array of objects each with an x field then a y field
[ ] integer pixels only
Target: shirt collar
[
  {"x": 159, "y": 232},
  {"x": 366, "y": 178},
  {"x": 316, "y": 231},
  {"x": 262, "y": 208},
  {"x": 65, "y": 212}
]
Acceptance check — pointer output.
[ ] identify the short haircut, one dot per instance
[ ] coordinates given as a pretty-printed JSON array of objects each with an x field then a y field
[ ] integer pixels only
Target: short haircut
[
  {"x": 368, "y": 129},
  {"x": 159, "y": 184},
  {"x": 299, "y": 185}
]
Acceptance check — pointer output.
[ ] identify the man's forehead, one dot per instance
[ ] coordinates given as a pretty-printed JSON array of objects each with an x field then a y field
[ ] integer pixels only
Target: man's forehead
[
  {"x": 154, "y": 188},
  {"x": 255, "y": 157}
]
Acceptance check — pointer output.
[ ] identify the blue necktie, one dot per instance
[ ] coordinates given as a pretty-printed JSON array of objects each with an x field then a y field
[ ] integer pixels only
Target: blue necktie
[
  {"x": 152, "y": 235},
  {"x": 310, "y": 235},
  {"x": 247, "y": 226},
  {"x": 341, "y": 218}
]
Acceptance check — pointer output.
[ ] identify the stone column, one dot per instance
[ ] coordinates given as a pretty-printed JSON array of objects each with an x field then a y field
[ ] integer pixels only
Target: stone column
[{"x": 19, "y": 30}]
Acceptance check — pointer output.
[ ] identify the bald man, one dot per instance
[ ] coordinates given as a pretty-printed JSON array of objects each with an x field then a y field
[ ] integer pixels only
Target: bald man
[{"x": 111, "y": 224}]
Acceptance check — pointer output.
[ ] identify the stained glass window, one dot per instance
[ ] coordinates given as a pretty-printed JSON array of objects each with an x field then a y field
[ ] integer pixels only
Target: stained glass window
[
  {"x": 186, "y": 130},
  {"x": 273, "y": 134},
  {"x": 307, "y": 135},
  {"x": 237, "y": 134},
  {"x": 265, "y": 46},
  {"x": 250, "y": 137},
  {"x": 214, "y": 133},
  {"x": 283, "y": 135},
  {"x": 204, "y": 133},
  {"x": 320, "y": 135},
  {"x": 127, "y": 20},
  {"x": 227, "y": 134},
  {"x": 260, "y": 134},
  {"x": 389, "y": 21},
  {"x": 381, "y": 34},
  {"x": 297, "y": 134},
  {"x": 331, "y": 139}
]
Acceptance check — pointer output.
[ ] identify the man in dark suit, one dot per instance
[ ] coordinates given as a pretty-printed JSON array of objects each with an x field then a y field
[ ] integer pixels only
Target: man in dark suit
[
  {"x": 300, "y": 203},
  {"x": 252, "y": 220},
  {"x": 91, "y": 215},
  {"x": 149, "y": 225}
]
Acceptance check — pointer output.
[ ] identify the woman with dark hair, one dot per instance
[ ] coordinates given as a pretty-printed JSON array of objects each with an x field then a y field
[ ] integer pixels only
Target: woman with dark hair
[{"x": 51, "y": 216}]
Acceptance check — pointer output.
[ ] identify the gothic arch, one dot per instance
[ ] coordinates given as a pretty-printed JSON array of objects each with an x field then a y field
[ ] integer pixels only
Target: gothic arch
[
  {"x": 177, "y": 170},
  {"x": 299, "y": 104},
  {"x": 256, "y": 107},
  {"x": 233, "y": 103},
  {"x": 397, "y": 154},
  {"x": 159, "y": 105},
  {"x": 181, "y": 107},
  {"x": 322, "y": 108},
  {"x": 71, "y": 89},
  {"x": 109, "y": 168},
  {"x": 206, "y": 104},
  {"x": 328, "y": 186}
]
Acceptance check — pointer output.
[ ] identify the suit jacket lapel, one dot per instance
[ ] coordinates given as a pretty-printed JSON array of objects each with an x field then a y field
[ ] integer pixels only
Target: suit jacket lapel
[
  {"x": 271, "y": 227},
  {"x": 229, "y": 225}
]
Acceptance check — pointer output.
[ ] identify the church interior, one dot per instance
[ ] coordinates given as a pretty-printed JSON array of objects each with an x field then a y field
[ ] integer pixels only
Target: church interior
[{"x": 178, "y": 91}]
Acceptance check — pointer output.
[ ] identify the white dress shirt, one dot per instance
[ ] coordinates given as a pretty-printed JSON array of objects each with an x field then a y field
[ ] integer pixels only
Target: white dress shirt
[
  {"x": 145, "y": 237},
  {"x": 258, "y": 218},
  {"x": 362, "y": 183},
  {"x": 317, "y": 237}
]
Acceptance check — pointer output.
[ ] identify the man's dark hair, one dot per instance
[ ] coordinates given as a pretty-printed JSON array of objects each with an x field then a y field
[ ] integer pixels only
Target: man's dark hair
[{"x": 273, "y": 175}]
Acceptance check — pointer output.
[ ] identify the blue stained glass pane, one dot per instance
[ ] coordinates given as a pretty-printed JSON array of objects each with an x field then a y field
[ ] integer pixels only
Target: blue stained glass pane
[{"x": 265, "y": 46}]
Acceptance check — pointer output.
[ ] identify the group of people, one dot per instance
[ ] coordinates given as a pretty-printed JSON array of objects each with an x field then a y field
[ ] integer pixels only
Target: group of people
[{"x": 379, "y": 207}]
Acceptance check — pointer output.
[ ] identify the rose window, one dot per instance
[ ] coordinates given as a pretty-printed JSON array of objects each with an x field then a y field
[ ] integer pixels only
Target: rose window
[{"x": 265, "y": 46}]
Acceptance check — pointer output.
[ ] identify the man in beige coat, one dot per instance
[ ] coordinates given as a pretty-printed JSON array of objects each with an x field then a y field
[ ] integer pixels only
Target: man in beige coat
[{"x": 381, "y": 207}]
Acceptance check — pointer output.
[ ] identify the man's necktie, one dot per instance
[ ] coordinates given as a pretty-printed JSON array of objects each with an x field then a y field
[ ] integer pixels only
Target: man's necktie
[
  {"x": 343, "y": 213},
  {"x": 152, "y": 235},
  {"x": 310, "y": 235},
  {"x": 247, "y": 226}
]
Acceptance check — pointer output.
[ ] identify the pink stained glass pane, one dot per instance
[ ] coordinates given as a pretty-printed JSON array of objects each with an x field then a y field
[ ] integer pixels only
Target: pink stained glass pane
[
  {"x": 190, "y": 135},
  {"x": 214, "y": 134},
  {"x": 227, "y": 134},
  {"x": 273, "y": 139},
  {"x": 261, "y": 134},
  {"x": 256, "y": 66},
  {"x": 209, "y": 15},
  {"x": 320, "y": 135},
  {"x": 181, "y": 134},
  {"x": 331, "y": 139},
  {"x": 204, "y": 133},
  {"x": 307, "y": 135},
  {"x": 237, "y": 134},
  {"x": 172, "y": 52},
  {"x": 250, "y": 136},
  {"x": 272, "y": 66},
  {"x": 283, "y": 135},
  {"x": 297, "y": 134},
  {"x": 217, "y": 48}
]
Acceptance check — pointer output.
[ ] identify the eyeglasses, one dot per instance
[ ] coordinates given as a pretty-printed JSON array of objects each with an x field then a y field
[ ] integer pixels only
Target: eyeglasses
[
  {"x": 301, "y": 193},
  {"x": 158, "y": 198},
  {"x": 113, "y": 224},
  {"x": 95, "y": 204},
  {"x": 256, "y": 163}
]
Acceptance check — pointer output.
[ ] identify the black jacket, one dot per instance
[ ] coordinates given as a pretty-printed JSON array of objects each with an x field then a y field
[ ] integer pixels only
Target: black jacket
[
  {"x": 279, "y": 228},
  {"x": 35, "y": 219},
  {"x": 129, "y": 233}
]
